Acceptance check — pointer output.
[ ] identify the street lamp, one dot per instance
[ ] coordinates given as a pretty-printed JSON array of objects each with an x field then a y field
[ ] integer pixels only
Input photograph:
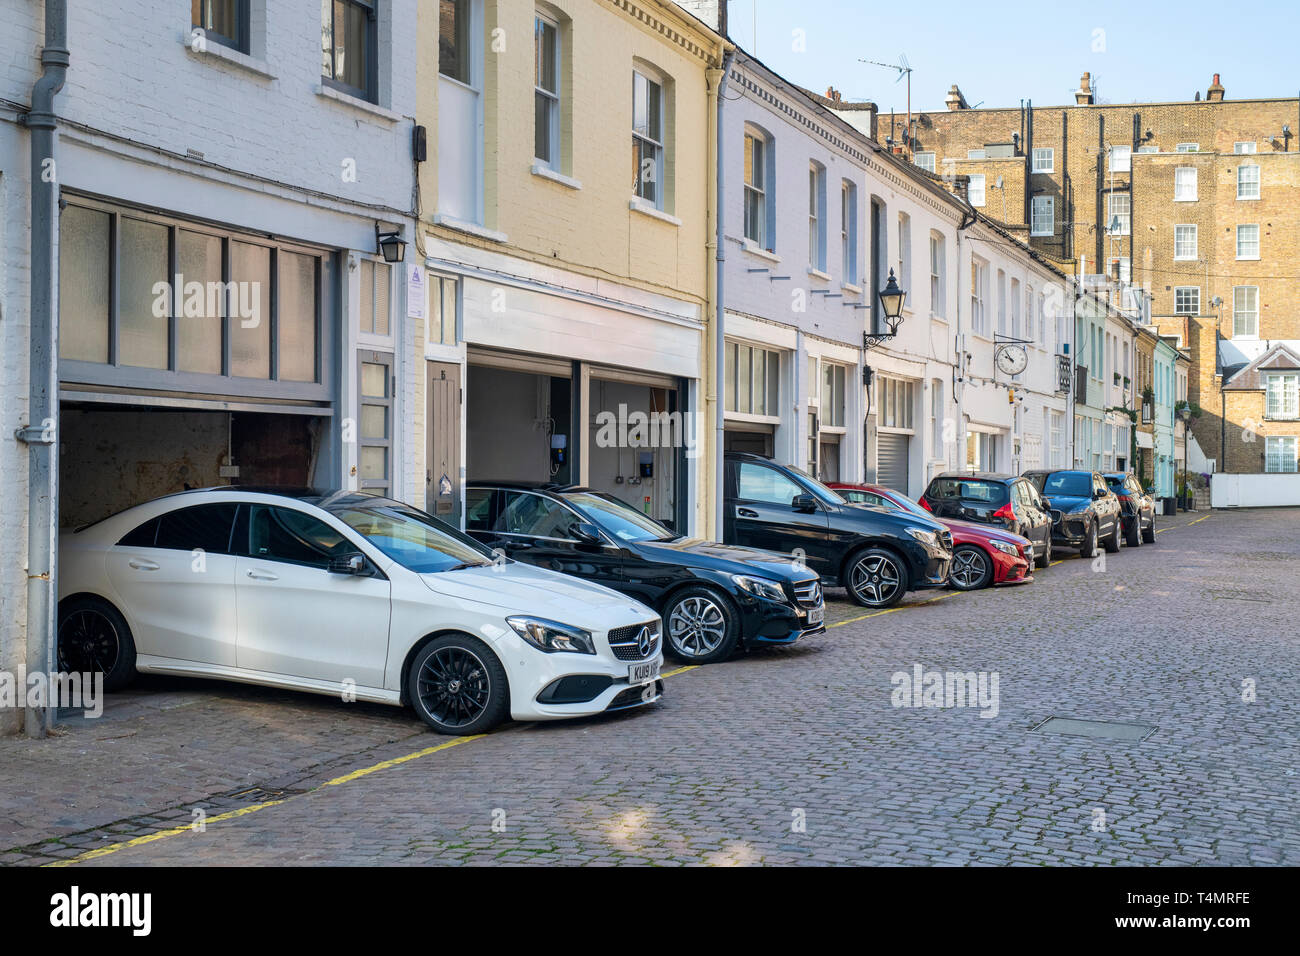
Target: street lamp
[{"x": 891, "y": 306}]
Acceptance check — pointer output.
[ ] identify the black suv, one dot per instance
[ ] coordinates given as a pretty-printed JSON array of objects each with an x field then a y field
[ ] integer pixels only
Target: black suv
[
  {"x": 877, "y": 554},
  {"x": 1084, "y": 509},
  {"x": 712, "y": 597},
  {"x": 1007, "y": 502},
  {"x": 1137, "y": 508}
]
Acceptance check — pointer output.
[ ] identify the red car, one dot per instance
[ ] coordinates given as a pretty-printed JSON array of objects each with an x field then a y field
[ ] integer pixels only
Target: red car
[{"x": 981, "y": 555}]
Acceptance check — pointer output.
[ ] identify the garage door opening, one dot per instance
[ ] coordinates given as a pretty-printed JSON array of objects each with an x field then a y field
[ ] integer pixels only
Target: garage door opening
[
  {"x": 113, "y": 457},
  {"x": 518, "y": 426},
  {"x": 637, "y": 437}
]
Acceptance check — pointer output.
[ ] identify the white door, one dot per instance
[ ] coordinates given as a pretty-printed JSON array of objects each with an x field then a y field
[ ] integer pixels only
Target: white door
[
  {"x": 298, "y": 619},
  {"x": 176, "y": 578}
]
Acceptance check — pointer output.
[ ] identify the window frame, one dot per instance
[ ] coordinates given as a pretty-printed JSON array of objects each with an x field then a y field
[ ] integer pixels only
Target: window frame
[
  {"x": 1180, "y": 187},
  {"x": 1251, "y": 314},
  {"x": 1119, "y": 159},
  {"x": 1256, "y": 241},
  {"x": 1126, "y": 221},
  {"x": 849, "y": 233},
  {"x": 1288, "y": 398},
  {"x": 1195, "y": 242},
  {"x": 370, "y": 92},
  {"x": 243, "y": 41},
  {"x": 1282, "y": 442},
  {"x": 1186, "y": 289},
  {"x": 983, "y": 190},
  {"x": 1243, "y": 196},
  {"x": 554, "y": 99},
  {"x": 757, "y": 157},
  {"x": 816, "y": 216},
  {"x": 658, "y": 147},
  {"x": 1047, "y": 153},
  {"x": 388, "y": 402},
  {"x": 1035, "y": 225}
]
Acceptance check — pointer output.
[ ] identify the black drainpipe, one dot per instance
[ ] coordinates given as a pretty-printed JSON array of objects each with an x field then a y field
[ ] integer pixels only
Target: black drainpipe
[{"x": 40, "y": 433}]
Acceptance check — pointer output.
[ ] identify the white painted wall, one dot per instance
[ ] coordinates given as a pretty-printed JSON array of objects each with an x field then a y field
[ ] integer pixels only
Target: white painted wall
[{"x": 1254, "y": 491}]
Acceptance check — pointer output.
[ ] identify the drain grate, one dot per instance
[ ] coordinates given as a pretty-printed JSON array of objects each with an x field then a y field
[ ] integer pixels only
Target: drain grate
[
  {"x": 260, "y": 794},
  {"x": 1103, "y": 729}
]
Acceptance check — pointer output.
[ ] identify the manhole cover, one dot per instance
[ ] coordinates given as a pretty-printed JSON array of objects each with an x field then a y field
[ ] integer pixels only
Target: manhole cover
[{"x": 1106, "y": 729}]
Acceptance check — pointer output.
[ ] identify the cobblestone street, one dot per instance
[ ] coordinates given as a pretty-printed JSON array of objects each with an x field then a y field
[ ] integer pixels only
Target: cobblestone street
[{"x": 786, "y": 756}]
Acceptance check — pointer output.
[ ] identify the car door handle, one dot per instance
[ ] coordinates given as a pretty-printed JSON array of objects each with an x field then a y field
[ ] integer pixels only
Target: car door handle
[
  {"x": 140, "y": 564},
  {"x": 746, "y": 513},
  {"x": 258, "y": 575}
]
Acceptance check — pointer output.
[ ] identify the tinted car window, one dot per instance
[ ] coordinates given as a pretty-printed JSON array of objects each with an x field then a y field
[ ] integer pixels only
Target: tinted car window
[
  {"x": 619, "y": 518},
  {"x": 200, "y": 527},
  {"x": 413, "y": 539},
  {"x": 994, "y": 492},
  {"x": 534, "y": 515},
  {"x": 760, "y": 483},
  {"x": 141, "y": 537},
  {"x": 283, "y": 534},
  {"x": 1070, "y": 484},
  {"x": 478, "y": 509}
]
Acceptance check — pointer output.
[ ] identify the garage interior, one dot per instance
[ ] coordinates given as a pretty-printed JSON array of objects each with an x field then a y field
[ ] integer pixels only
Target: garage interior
[{"x": 115, "y": 456}]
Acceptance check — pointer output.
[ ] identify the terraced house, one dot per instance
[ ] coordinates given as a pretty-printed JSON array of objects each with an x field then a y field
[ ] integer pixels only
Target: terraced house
[
  {"x": 1192, "y": 203},
  {"x": 192, "y": 277},
  {"x": 564, "y": 226}
]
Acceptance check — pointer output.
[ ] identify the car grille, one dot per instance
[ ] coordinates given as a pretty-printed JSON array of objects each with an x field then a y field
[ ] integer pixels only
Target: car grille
[
  {"x": 625, "y": 641},
  {"x": 1056, "y": 517},
  {"x": 945, "y": 539},
  {"x": 808, "y": 593}
]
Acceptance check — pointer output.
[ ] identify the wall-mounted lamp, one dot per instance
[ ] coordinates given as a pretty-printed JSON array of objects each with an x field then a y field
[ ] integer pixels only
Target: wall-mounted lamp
[
  {"x": 390, "y": 245},
  {"x": 891, "y": 305}
]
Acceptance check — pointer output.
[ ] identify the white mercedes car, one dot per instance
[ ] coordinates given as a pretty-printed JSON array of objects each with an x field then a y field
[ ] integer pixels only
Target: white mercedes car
[{"x": 349, "y": 594}]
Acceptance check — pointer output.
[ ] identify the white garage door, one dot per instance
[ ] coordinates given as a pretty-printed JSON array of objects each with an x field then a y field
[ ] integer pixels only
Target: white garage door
[{"x": 892, "y": 453}]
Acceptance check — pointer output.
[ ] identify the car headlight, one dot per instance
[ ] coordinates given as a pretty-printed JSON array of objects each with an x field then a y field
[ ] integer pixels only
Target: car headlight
[
  {"x": 760, "y": 587},
  {"x": 1006, "y": 548},
  {"x": 552, "y": 636},
  {"x": 925, "y": 537}
]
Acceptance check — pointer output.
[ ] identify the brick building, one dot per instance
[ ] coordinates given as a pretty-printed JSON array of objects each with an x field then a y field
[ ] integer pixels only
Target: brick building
[{"x": 1194, "y": 202}]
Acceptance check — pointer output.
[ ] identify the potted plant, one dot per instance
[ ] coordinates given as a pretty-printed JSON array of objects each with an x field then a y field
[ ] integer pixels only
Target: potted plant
[{"x": 1117, "y": 378}]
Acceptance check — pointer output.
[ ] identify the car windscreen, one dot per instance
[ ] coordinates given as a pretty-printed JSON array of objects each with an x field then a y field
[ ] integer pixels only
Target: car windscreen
[
  {"x": 829, "y": 495},
  {"x": 904, "y": 503},
  {"x": 969, "y": 489},
  {"x": 412, "y": 538},
  {"x": 618, "y": 518},
  {"x": 1116, "y": 484},
  {"x": 1072, "y": 484}
]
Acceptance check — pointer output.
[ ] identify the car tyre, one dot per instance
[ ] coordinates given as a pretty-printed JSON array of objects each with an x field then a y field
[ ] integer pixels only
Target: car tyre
[
  {"x": 1133, "y": 533},
  {"x": 700, "y": 626},
  {"x": 1089, "y": 547},
  {"x": 1149, "y": 534},
  {"x": 93, "y": 638},
  {"x": 458, "y": 686},
  {"x": 875, "y": 578},
  {"x": 1112, "y": 540},
  {"x": 1045, "y": 559},
  {"x": 972, "y": 568}
]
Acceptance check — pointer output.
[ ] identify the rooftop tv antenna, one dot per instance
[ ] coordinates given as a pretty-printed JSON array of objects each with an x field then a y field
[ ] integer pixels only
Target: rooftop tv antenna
[{"x": 904, "y": 70}]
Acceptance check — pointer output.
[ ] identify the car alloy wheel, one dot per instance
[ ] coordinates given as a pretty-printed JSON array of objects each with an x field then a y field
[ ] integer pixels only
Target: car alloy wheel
[
  {"x": 971, "y": 569},
  {"x": 88, "y": 643},
  {"x": 454, "y": 686},
  {"x": 697, "y": 627},
  {"x": 876, "y": 580},
  {"x": 1089, "y": 549},
  {"x": 1149, "y": 534},
  {"x": 1045, "y": 559}
]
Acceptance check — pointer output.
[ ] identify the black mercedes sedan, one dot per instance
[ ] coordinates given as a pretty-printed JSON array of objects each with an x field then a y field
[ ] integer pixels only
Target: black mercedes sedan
[
  {"x": 877, "y": 554},
  {"x": 712, "y": 597},
  {"x": 1084, "y": 509}
]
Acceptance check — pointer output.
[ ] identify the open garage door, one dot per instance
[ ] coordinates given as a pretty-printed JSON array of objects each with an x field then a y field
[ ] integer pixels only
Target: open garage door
[
  {"x": 519, "y": 420},
  {"x": 637, "y": 441},
  {"x": 114, "y": 456}
]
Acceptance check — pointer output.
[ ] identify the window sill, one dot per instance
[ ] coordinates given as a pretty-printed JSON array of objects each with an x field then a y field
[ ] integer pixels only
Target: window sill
[
  {"x": 1248, "y": 258},
  {"x": 1247, "y": 199},
  {"x": 1187, "y": 258},
  {"x": 754, "y": 249},
  {"x": 470, "y": 228},
  {"x": 850, "y": 287},
  {"x": 365, "y": 106},
  {"x": 225, "y": 54},
  {"x": 545, "y": 172},
  {"x": 1193, "y": 199},
  {"x": 640, "y": 205},
  {"x": 818, "y": 274}
]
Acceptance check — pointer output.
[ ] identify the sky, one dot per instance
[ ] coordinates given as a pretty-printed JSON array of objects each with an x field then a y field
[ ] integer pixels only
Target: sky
[{"x": 1137, "y": 51}]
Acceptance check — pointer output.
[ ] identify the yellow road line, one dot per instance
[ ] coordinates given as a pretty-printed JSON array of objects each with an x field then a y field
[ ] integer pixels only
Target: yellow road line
[
  {"x": 162, "y": 834},
  {"x": 335, "y": 782}
]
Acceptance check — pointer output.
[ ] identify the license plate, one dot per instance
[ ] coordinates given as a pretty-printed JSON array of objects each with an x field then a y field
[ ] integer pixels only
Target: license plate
[
  {"x": 816, "y": 615},
  {"x": 643, "y": 673}
]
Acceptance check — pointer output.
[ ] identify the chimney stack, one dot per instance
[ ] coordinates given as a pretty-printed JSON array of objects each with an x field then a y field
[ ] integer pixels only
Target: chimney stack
[
  {"x": 955, "y": 100},
  {"x": 832, "y": 94},
  {"x": 1215, "y": 93},
  {"x": 1083, "y": 95}
]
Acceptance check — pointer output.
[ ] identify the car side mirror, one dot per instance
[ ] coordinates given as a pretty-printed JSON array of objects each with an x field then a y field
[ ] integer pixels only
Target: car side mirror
[
  {"x": 354, "y": 564},
  {"x": 587, "y": 533},
  {"x": 1098, "y": 495},
  {"x": 804, "y": 503}
]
